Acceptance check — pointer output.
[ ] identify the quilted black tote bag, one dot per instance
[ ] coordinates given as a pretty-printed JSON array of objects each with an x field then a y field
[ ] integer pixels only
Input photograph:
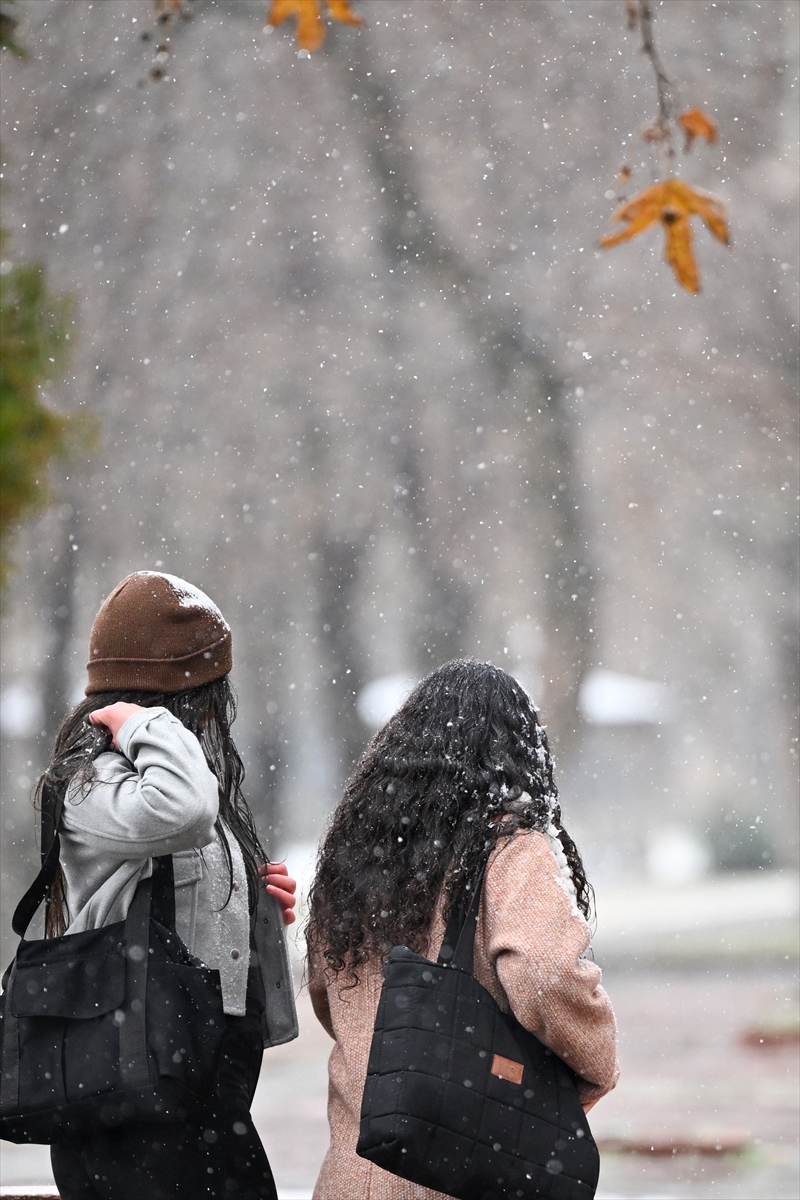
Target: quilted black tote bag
[
  {"x": 459, "y": 1096},
  {"x": 107, "y": 1026}
]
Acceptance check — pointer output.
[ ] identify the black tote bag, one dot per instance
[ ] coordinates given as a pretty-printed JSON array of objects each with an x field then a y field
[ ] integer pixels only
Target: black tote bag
[
  {"x": 459, "y": 1096},
  {"x": 106, "y": 1026}
]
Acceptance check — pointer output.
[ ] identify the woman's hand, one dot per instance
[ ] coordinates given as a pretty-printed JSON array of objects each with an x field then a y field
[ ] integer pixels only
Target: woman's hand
[
  {"x": 279, "y": 884},
  {"x": 114, "y": 717}
]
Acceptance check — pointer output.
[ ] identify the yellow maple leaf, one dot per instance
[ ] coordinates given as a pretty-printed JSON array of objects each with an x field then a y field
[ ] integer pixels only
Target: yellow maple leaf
[
  {"x": 695, "y": 123},
  {"x": 340, "y": 10},
  {"x": 678, "y": 251},
  {"x": 672, "y": 202},
  {"x": 310, "y": 33}
]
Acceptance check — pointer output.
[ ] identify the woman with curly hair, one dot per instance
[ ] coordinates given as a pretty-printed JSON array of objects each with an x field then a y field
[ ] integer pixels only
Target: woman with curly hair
[{"x": 458, "y": 781}]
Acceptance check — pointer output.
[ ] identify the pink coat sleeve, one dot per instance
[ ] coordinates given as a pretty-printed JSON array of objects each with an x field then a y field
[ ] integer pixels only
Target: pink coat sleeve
[{"x": 529, "y": 946}]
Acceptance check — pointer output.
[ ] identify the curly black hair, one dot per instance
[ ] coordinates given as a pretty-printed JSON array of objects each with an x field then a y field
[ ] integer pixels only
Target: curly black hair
[
  {"x": 208, "y": 712},
  {"x": 463, "y": 764}
]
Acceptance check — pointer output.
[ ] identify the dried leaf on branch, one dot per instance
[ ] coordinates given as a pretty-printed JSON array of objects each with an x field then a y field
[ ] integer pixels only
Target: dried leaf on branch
[
  {"x": 632, "y": 10},
  {"x": 656, "y": 132},
  {"x": 695, "y": 123},
  {"x": 167, "y": 8},
  {"x": 672, "y": 202},
  {"x": 310, "y": 33}
]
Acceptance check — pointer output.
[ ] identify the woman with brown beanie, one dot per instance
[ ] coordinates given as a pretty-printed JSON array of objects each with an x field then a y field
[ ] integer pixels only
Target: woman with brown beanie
[
  {"x": 147, "y": 767},
  {"x": 458, "y": 786}
]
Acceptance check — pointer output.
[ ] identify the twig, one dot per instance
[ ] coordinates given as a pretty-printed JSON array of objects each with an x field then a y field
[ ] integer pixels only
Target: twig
[
  {"x": 664, "y": 85},
  {"x": 165, "y": 14}
]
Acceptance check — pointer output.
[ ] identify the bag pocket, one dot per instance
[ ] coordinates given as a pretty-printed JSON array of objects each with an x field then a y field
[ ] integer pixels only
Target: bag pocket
[
  {"x": 41, "y": 1070},
  {"x": 80, "y": 978},
  {"x": 78, "y": 989},
  {"x": 184, "y": 1045}
]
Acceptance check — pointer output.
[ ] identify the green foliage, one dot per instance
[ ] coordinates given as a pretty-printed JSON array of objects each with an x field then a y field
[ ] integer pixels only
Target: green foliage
[
  {"x": 8, "y": 24},
  {"x": 33, "y": 339}
]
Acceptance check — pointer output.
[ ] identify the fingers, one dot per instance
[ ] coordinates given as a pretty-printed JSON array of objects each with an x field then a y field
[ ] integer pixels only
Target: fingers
[
  {"x": 114, "y": 716},
  {"x": 284, "y": 882},
  {"x": 276, "y": 868},
  {"x": 287, "y": 902},
  {"x": 279, "y": 883},
  {"x": 276, "y": 874},
  {"x": 100, "y": 718}
]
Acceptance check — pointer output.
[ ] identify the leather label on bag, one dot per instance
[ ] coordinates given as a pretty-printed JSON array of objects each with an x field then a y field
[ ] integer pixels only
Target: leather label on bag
[{"x": 506, "y": 1068}]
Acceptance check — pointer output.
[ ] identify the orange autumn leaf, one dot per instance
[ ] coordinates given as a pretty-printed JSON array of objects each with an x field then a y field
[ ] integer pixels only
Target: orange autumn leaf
[
  {"x": 695, "y": 123},
  {"x": 310, "y": 33},
  {"x": 340, "y": 10},
  {"x": 678, "y": 252},
  {"x": 672, "y": 202}
]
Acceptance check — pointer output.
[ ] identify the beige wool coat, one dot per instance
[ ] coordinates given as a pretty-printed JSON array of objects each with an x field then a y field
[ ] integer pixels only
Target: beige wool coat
[{"x": 529, "y": 947}]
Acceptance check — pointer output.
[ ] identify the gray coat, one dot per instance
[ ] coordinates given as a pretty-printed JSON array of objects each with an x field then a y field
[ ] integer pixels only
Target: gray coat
[{"x": 157, "y": 796}]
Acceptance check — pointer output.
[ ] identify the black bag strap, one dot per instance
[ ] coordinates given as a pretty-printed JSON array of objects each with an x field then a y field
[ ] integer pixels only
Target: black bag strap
[
  {"x": 52, "y": 805},
  {"x": 9, "y": 1067},
  {"x": 133, "y": 1055},
  {"x": 154, "y": 897},
  {"x": 162, "y": 906},
  {"x": 458, "y": 944}
]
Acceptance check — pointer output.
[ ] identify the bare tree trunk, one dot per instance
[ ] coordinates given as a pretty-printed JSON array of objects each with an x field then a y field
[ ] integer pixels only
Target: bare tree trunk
[
  {"x": 340, "y": 560},
  {"x": 61, "y": 613},
  {"x": 263, "y": 785},
  {"x": 443, "y": 620},
  {"x": 525, "y": 380}
]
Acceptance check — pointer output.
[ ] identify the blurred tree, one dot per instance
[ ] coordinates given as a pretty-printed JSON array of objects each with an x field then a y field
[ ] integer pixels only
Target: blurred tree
[
  {"x": 34, "y": 330},
  {"x": 29, "y": 452},
  {"x": 523, "y": 375},
  {"x": 8, "y": 25}
]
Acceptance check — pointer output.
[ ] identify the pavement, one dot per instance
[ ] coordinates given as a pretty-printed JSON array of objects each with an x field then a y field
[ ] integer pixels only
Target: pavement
[
  {"x": 705, "y": 987},
  {"x": 746, "y": 916}
]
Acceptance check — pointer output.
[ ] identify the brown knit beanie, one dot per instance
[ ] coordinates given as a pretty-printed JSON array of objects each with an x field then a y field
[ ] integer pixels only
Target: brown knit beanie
[{"x": 157, "y": 633}]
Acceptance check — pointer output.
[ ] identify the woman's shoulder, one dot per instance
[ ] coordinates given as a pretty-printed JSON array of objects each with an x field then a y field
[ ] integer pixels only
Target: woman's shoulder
[
  {"x": 531, "y": 864},
  {"x": 523, "y": 844}
]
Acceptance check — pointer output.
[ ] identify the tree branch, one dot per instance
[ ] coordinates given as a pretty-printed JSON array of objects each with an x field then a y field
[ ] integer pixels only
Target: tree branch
[{"x": 664, "y": 84}]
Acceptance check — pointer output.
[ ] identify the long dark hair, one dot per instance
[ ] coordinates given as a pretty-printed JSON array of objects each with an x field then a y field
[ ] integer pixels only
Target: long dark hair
[
  {"x": 208, "y": 712},
  {"x": 463, "y": 764}
]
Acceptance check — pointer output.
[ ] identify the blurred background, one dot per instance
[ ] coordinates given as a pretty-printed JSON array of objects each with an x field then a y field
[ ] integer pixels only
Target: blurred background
[{"x": 348, "y": 358}]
